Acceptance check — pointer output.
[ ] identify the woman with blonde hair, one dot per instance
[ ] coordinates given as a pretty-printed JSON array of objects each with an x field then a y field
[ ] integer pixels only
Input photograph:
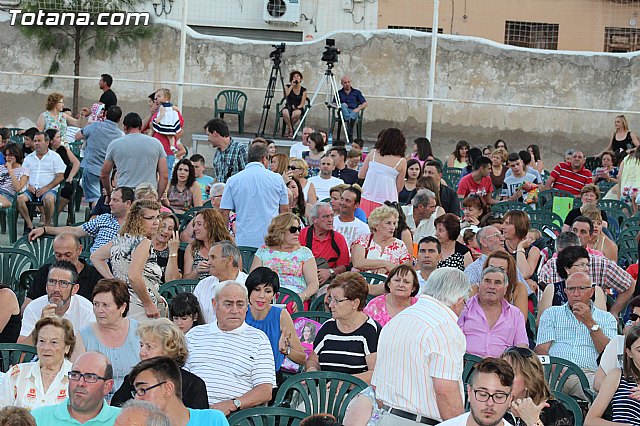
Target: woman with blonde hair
[
  {"x": 299, "y": 169},
  {"x": 622, "y": 140},
  {"x": 498, "y": 169},
  {"x": 283, "y": 253},
  {"x": 279, "y": 164},
  {"x": 161, "y": 337},
  {"x": 133, "y": 260},
  {"x": 208, "y": 228}
]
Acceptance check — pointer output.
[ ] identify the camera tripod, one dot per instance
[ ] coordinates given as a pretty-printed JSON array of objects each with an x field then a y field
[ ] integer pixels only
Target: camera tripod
[
  {"x": 276, "y": 73},
  {"x": 332, "y": 99}
]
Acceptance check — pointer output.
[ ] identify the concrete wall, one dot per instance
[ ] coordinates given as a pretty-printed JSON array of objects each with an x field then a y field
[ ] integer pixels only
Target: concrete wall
[{"x": 387, "y": 66}]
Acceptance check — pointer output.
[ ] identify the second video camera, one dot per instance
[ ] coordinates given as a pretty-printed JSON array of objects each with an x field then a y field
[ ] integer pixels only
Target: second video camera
[{"x": 330, "y": 54}]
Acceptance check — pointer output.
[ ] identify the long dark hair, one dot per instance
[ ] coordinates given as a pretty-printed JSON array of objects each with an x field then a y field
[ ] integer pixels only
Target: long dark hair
[
  {"x": 192, "y": 172},
  {"x": 459, "y": 145},
  {"x": 536, "y": 152},
  {"x": 301, "y": 203},
  {"x": 631, "y": 372},
  {"x": 424, "y": 148}
]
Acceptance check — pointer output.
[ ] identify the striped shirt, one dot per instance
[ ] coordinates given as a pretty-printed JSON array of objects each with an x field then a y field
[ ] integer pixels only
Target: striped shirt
[
  {"x": 625, "y": 409},
  {"x": 420, "y": 343},
  {"x": 103, "y": 228},
  {"x": 570, "y": 339},
  {"x": 231, "y": 363},
  {"x": 603, "y": 272},
  {"x": 568, "y": 180},
  {"x": 346, "y": 352}
]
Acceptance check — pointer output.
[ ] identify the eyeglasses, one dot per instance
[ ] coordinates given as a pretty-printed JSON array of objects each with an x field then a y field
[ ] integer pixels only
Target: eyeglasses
[
  {"x": 143, "y": 391},
  {"x": 495, "y": 234},
  {"x": 329, "y": 300},
  {"x": 88, "y": 377},
  {"x": 294, "y": 229},
  {"x": 483, "y": 396},
  {"x": 523, "y": 352},
  {"x": 293, "y": 168},
  {"x": 634, "y": 317},
  {"x": 580, "y": 288},
  {"x": 60, "y": 283}
]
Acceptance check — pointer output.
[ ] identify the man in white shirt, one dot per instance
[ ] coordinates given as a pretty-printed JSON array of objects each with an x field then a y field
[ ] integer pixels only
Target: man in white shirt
[
  {"x": 418, "y": 214},
  {"x": 224, "y": 261},
  {"x": 298, "y": 148},
  {"x": 61, "y": 300},
  {"x": 346, "y": 223},
  {"x": 429, "y": 254},
  {"x": 325, "y": 181},
  {"x": 46, "y": 171},
  {"x": 234, "y": 359},
  {"x": 489, "y": 395}
]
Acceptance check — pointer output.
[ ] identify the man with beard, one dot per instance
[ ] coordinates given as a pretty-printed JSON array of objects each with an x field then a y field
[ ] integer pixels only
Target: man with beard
[
  {"x": 61, "y": 300},
  {"x": 489, "y": 395},
  {"x": 90, "y": 380}
]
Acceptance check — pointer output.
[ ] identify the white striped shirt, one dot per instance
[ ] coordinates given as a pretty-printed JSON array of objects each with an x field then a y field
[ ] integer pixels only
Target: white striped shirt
[
  {"x": 420, "y": 343},
  {"x": 231, "y": 363}
]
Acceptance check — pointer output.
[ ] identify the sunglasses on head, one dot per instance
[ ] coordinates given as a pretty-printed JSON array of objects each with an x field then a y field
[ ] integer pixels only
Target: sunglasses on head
[
  {"x": 295, "y": 229},
  {"x": 523, "y": 352}
]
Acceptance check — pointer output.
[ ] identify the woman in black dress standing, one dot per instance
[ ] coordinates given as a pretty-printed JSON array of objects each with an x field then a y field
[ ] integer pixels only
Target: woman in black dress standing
[{"x": 296, "y": 97}]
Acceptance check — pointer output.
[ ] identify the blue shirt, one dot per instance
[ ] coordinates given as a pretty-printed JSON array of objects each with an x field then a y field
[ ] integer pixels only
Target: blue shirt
[
  {"x": 98, "y": 135},
  {"x": 58, "y": 415},
  {"x": 2, "y": 159},
  {"x": 204, "y": 181},
  {"x": 353, "y": 99},
  {"x": 206, "y": 418},
  {"x": 103, "y": 229},
  {"x": 255, "y": 194}
]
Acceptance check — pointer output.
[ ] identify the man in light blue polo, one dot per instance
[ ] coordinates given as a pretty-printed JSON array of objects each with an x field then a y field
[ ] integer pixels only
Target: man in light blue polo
[
  {"x": 256, "y": 195},
  {"x": 90, "y": 380}
]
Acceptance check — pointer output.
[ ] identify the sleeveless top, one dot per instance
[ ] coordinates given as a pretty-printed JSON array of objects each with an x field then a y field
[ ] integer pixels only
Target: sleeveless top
[
  {"x": 294, "y": 100},
  {"x": 460, "y": 164},
  {"x": 197, "y": 258},
  {"x": 58, "y": 123},
  {"x": 405, "y": 195},
  {"x": 122, "y": 358},
  {"x": 625, "y": 409},
  {"x": 380, "y": 182},
  {"x": 180, "y": 200},
  {"x": 630, "y": 178},
  {"x": 621, "y": 146},
  {"x": 11, "y": 330},
  {"x": 62, "y": 152},
  {"x": 271, "y": 327}
]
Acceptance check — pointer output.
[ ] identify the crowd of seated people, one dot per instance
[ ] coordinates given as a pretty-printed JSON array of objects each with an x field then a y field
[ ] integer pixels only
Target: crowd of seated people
[{"x": 365, "y": 250}]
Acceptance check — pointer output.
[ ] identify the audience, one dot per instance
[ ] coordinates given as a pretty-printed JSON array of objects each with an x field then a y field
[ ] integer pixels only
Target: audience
[
  {"x": 454, "y": 253},
  {"x": 346, "y": 223},
  {"x": 421, "y": 214},
  {"x": 401, "y": 288},
  {"x": 209, "y": 227},
  {"x": 569, "y": 176},
  {"x": 429, "y": 255}
]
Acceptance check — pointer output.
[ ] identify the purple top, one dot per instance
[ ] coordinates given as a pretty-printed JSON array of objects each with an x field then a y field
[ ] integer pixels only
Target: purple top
[{"x": 509, "y": 330}]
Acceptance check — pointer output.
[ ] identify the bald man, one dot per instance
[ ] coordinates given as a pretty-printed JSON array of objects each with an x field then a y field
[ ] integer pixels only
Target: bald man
[{"x": 352, "y": 103}]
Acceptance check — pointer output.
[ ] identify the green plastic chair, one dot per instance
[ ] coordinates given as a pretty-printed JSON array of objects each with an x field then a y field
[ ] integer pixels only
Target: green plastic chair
[
  {"x": 545, "y": 198},
  {"x": 235, "y": 102},
  {"x": 318, "y": 305},
  {"x": 285, "y": 296},
  {"x": 41, "y": 248},
  {"x": 451, "y": 175},
  {"x": 632, "y": 222},
  {"x": 505, "y": 206},
  {"x": 247, "y": 254},
  {"x": 627, "y": 257},
  {"x": 187, "y": 217},
  {"x": 14, "y": 262},
  {"x": 15, "y": 353},
  {"x": 25, "y": 281},
  {"x": 267, "y": 416},
  {"x": 335, "y": 119},
  {"x": 546, "y": 216},
  {"x": 9, "y": 219},
  {"x": 172, "y": 288},
  {"x": 320, "y": 392},
  {"x": 279, "y": 119},
  {"x": 592, "y": 163},
  {"x": 470, "y": 362},
  {"x": 571, "y": 405},
  {"x": 558, "y": 370},
  {"x": 318, "y": 316},
  {"x": 605, "y": 187}
]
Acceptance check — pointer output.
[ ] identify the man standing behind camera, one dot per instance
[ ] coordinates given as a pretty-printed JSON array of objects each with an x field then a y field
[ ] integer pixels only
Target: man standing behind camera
[{"x": 352, "y": 103}]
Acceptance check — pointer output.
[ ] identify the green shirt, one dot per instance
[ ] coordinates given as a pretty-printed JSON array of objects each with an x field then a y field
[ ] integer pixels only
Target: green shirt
[{"x": 58, "y": 415}]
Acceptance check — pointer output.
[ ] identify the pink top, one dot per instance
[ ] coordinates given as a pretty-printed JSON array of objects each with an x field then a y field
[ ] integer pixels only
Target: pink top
[
  {"x": 509, "y": 330},
  {"x": 377, "y": 309}
]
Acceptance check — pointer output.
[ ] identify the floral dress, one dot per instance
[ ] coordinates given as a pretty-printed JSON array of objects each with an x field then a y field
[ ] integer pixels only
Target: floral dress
[
  {"x": 395, "y": 252},
  {"x": 288, "y": 265},
  {"x": 58, "y": 123}
]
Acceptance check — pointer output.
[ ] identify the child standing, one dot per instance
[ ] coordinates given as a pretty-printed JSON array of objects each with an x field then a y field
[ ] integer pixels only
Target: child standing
[{"x": 167, "y": 121}]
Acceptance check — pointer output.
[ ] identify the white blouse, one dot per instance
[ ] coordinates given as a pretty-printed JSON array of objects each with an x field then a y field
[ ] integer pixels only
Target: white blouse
[{"x": 22, "y": 386}]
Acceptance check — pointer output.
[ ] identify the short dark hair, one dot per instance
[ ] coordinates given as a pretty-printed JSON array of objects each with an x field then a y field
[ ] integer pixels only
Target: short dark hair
[
  {"x": 317, "y": 138},
  {"x": 132, "y": 121},
  {"x": 403, "y": 270},
  {"x": 107, "y": 79},
  {"x": 481, "y": 162},
  {"x": 114, "y": 113},
  {"x": 128, "y": 194},
  {"x": 262, "y": 275},
  {"x": 567, "y": 257},
  {"x": 586, "y": 220},
  {"x": 513, "y": 157},
  {"x": 342, "y": 152},
  {"x": 391, "y": 141},
  {"x": 634, "y": 303},
  {"x": 197, "y": 158},
  {"x": 65, "y": 265},
  {"x": 356, "y": 191},
  {"x": 5, "y": 133},
  {"x": 15, "y": 150},
  {"x": 30, "y": 132},
  {"x": 186, "y": 304},
  {"x": 257, "y": 152},
  {"x": 118, "y": 289},
  {"x": 217, "y": 125},
  {"x": 433, "y": 240},
  {"x": 525, "y": 156},
  {"x": 435, "y": 164},
  {"x": 163, "y": 368},
  {"x": 497, "y": 366},
  {"x": 51, "y": 133},
  {"x": 451, "y": 223},
  {"x": 354, "y": 286}
]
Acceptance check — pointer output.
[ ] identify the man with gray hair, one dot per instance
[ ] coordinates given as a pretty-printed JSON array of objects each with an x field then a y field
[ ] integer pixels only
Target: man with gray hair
[
  {"x": 424, "y": 338},
  {"x": 325, "y": 243},
  {"x": 603, "y": 272},
  {"x": 141, "y": 413},
  {"x": 256, "y": 195},
  {"x": 418, "y": 214},
  {"x": 234, "y": 359},
  {"x": 224, "y": 265},
  {"x": 490, "y": 323}
]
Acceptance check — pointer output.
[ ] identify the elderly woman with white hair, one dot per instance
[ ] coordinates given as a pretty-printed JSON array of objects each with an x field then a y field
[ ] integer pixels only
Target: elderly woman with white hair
[{"x": 380, "y": 251}]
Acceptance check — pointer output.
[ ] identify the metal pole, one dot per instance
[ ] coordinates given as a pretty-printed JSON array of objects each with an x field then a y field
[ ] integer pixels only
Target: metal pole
[
  {"x": 432, "y": 69},
  {"x": 183, "y": 53}
]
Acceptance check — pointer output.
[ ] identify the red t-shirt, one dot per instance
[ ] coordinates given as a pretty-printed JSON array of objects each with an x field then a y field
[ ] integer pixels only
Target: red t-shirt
[
  {"x": 164, "y": 139},
  {"x": 468, "y": 186},
  {"x": 568, "y": 180},
  {"x": 322, "y": 248}
]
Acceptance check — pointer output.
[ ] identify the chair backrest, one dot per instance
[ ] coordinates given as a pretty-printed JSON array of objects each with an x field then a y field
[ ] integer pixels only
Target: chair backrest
[
  {"x": 546, "y": 216},
  {"x": 591, "y": 163},
  {"x": 172, "y": 288},
  {"x": 558, "y": 370},
  {"x": 320, "y": 392},
  {"x": 247, "y": 254},
  {"x": 232, "y": 100},
  {"x": 470, "y": 362},
  {"x": 15, "y": 353},
  {"x": 373, "y": 278},
  {"x": 318, "y": 316},
  {"x": 452, "y": 176},
  {"x": 545, "y": 198},
  {"x": 633, "y": 221},
  {"x": 571, "y": 405},
  {"x": 318, "y": 305},
  {"x": 41, "y": 248},
  {"x": 267, "y": 416},
  {"x": 286, "y": 296},
  {"x": 25, "y": 281},
  {"x": 505, "y": 206},
  {"x": 627, "y": 257},
  {"x": 605, "y": 187},
  {"x": 14, "y": 262}
]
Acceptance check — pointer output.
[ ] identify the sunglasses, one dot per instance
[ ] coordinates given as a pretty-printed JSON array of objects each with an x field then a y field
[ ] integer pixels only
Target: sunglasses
[
  {"x": 523, "y": 352},
  {"x": 634, "y": 317},
  {"x": 295, "y": 229},
  {"x": 293, "y": 168}
]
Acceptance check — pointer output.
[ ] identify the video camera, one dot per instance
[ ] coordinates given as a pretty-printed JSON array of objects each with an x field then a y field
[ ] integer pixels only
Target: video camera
[
  {"x": 330, "y": 54},
  {"x": 280, "y": 48}
]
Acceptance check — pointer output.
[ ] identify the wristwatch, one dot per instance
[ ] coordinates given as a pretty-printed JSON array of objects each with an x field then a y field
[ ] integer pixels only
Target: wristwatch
[
  {"x": 237, "y": 403},
  {"x": 288, "y": 351},
  {"x": 594, "y": 328},
  {"x": 332, "y": 273}
]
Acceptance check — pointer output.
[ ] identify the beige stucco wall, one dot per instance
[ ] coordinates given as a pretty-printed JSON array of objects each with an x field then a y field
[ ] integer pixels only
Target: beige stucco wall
[{"x": 386, "y": 66}]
